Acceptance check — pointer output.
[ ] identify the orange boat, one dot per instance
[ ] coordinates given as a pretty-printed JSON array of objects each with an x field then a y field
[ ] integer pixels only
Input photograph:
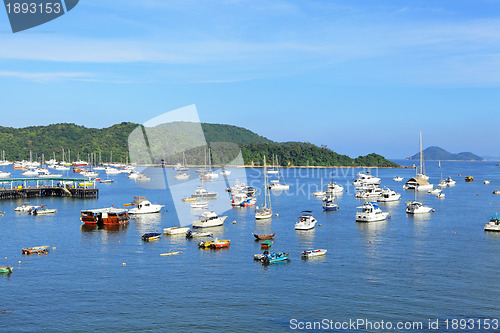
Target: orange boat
[
  {"x": 219, "y": 244},
  {"x": 106, "y": 216}
]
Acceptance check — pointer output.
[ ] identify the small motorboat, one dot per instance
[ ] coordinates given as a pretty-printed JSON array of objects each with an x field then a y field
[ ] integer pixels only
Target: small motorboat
[
  {"x": 219, "y": 244},
  {"x": 42, "y": 211},
  {"x": 144, "y": 206},
  {"x": 6, "y": 269},
  {"x": 106, "y": 181},
  {"x": 415, "y": 207},
  {"x": 266, "y": 244},
  {"x": 313, "y": 253},
  {"x": 205, "y": 244},
  {"x": 259, "y": 256},
  {"x": 306, "y": 221},
  {"x": 496, "y": 192},
  {"x": 328, "y": 203},
  {"x": 435, "y": 191},
  {"x": 171, "y": 253},
  {"x": 494, "y": 224},
  {"x": 486, "y": 182},
  {"x": 209, "y": 219},
  {"x": 274, "y": 257},
  {"x": 176, "y": 230},
  {"x": 469, "y": 179},
  {"x": 182, "y": 176},
  {"x": 440, "y": 195},
  {"x": 199, "y": 205},
  {"x": 26, "y": 208},
  {"x": 398, "y": 179},
  {"x": 151, "y": 236},
  {"x": 36, "y": 250},
  {"x": 198, "y": 234},
  {"x": 442, "y": 184},
  {"x": 388, "y": 195},
  {"x": 450, "y": 181},
  {"x": 264, "y": 236},
  {"x": 225, "y": 172}
]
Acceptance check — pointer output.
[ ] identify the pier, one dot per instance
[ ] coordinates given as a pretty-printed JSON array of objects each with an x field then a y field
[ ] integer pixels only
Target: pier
[{"x": 14, "y": 188}]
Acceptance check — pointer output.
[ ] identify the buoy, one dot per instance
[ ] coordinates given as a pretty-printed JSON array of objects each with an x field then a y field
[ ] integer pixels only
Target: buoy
[
  {"x": 459, "y": 175},
  {"x": 234, "y": 222},
  {"x": 19, "y": 262},
  {"x": 180, "y": 252},
  {"x": 319, "y": 225},
  {"x": 124, "y": 264},
  {"x": 54, "y": 248},
  {"x": 433, "y": 210},
  {"x": 370, "y": 242},
  {"x": 277, "y": 214}
]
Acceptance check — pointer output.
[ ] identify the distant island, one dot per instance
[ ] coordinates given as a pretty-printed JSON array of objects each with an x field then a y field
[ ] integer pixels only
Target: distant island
[
  {"x": 111, "y": 144},
  {"x": 439, "y": 154}
]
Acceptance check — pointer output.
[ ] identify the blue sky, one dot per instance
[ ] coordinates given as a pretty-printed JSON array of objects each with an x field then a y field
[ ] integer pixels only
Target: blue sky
[{"x": 358, "y": 76}]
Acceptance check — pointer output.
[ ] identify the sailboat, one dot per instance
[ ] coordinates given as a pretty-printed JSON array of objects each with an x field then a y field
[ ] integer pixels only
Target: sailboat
[
  {"x": 273, "y": 170},
  {"x": 210, "y": 174},
  {"x": 420, "y": 181},
  {"x": 265, "y": 212},
  {"x": 275, "y": 184}
]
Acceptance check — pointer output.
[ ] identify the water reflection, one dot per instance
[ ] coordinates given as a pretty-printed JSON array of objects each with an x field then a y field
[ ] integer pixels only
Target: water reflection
[
  {"x": 371, "y": 228},
  {"x": 147, "y": 222},
  {"x": 306, "y": 235}
]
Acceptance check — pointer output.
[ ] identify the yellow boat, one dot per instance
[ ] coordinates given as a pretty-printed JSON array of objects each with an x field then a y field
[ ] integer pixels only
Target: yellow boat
[
  {"x": 85, "y": 184},
  {"x": 171, "y": 253},
  {"x": 205, "y": 245},
  {"x": 189, "y": 199}
]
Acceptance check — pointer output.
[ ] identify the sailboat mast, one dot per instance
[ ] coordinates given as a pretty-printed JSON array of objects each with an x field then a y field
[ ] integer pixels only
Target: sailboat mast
[
  {"x": 265, "y": 182},
  {"x": 422, "y": 164}
]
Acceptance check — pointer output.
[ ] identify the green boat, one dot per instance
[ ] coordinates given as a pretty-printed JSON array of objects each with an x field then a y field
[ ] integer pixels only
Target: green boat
[
  {"x": 266, "y": 244},
  {"x": 6, "y": 269}
]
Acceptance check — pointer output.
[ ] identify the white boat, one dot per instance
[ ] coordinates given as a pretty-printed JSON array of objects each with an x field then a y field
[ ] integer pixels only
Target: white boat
[
  {"x": 368, "y": 192},
  {"x": 265, "y": 212},
  {"x": 306, "y": 221},
  {"x": 199, "y": 205},
  {"x": 313, "y": 253},
  {"x": 89, "y": 174},
  {"x": 370, "y": 212},
  {"x": 485, "y": 182},
  {"x": 415, "y": 207},
  {"x": 494, "y": 224},
  {"x": 440, "y": 195},
  {"x": 42, "y": 211},
  {"x": 4, "y": 174},
  {"x": 30, "y": 173},
  {"x": 225, "y": 173},
  {"x": 275, "y": 184},
  {"x": 176, "y": 230},
  {"x": 420, "y": 181},
  {"x": 133, "y": 174},
  {"x": 319, "y": 194},
  {"x": 61, "y": 168},
  {"x": 200, "y": 192},
  {"x": 329, "y": 204},
  {"x": 238, "y": 198},
  {"x": 211, "y": 175},
  {"x": 450, "y": 181},
  {"x": 333, "y": 189},
  {"x": 364, "y": 179},
  {"x": 111, "y": 171},
  {"x": 434, "y": 191},
  {"x": 196, "y": 234},
  {"x": 181, "y": 176},
  {"x": 142, "y": 178},
  {"x": 388, "y": 195},
  {"x": 442, "y": 184},
  {"x": 181, "y": 167},
  {"x": 144, "y": 206},
  {"x": 209, "y": 219},
  {"x": 25, "y": 208},
  {"x": 398, "y": 179}
]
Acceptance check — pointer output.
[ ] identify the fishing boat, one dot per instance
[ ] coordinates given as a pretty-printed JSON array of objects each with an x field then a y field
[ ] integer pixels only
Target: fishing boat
[
  {"x": 171, "y": 253},
  {"x": 415, "y": 207},
  {"x": 313, "y": 253},
  {"x": 219, "y": 244},
  {"x": 209, "y": 219},
  {"x": 398, "y": 179},
  {"x": 370, "y": 212},
  {"x": 199, "y": 205},
  {"x": 306, "y": 221},
  {"x": 42, "y": 211},
  {"x": 469, "y": 179},
  {"x": 494, "y": 224},
  {"x": 274, "y": 257},
  {"x": 6, "y": 269},
  {"x": 329, "y": 204},
  {"x": 36, "y": 250},
  {"x": 388, "y": 195},
  {"x": 198, "y": 234},
  {"x": 151, "y": 236},
  {"x": 144, "y": 206},
  {"x": 263, "y": 236},
  {"x": 107, "y": 216},
  {"x": 259, "y": 256},
  {"x": 176, "y": 230},
  {"x": 265, "y": 212},
  {"x": 266, "y": 244}
]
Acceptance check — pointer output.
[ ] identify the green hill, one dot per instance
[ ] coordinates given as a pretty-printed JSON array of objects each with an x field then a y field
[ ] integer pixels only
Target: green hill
[
  {"x": 439, "y": 154},
  {"x": 168, "y": 141}
]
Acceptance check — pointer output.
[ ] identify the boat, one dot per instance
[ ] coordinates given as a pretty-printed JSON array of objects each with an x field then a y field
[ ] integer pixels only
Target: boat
[
  {"x": 106, "y": 181},
  {"x": 4, "y": 174},
  {"x": 205, "y": 244},
  {"x": 151, "y": 236},
  {"x": 415, "y": 207},
  {"x": 111, "y": 171},
  {"x": 313, "y": 253},
  {"x": 225, "y": 172},
  {"x": 306, "y": 221},
  {"x": 26, "y": 208},
  {"x": 370, "y": 212},
  {"x": 440, "y": 195},
  {"x": 469, "y": 179},
  {"x": 237, "y": 199},
  {"x": 199, "y": 205},
  {"x": 398, "y": 179},
  {"x": 248, "y": 202},
  {"x": 365, "y": 179},
  {"x": 89, "y": 174},
  {"x": 333, "y": 188},
  {"x": 265, "y": 212},
  {"x": 181, "y": 167},
  {"x": 176, "y": 230},
  {"x": 496, "y": 192},
  {"x": 420, "y": 181},
  {"x": 144, "y": 206},
  {"x": 6, "y": 270},
  {"x": 328, "y": 203},
  {"x": 486, "y": 182},
  {"x": 198, "y": 234},
  {"x": 200, "y": 192},
  {"x": 442, "y": 183},
  {"x": 266, "y": 244},
  {"x": 142, "y": 178},
  {"x": 29, "y": 173},
  {"x": 171, "y": 253},
  {"x": 450, "y": 181},
  {"x": 388, "y": 195},
  {"x": 435, "y": 190},
  {"x": 368, "y": 191},
  {"x": 181, "y": 176},
  {"x": 494, "y": 224},
  {"x": 259, "y": 256},
  {"x": 209, "y": 219},
  {"x": 107, "y": 216},
  {"x": 275, "y": 184},
  {"x": 133, "y": 174},
  {"x": 219, "y": 244},
  {"x": 319, "y": 194},
  {"x": 36, "y": 250},
  {"x": 263, "y": 236},
  {"x": 272, "y": 171},
  {"x": 42, "y": 211},
  {"x": 274, "y": 257}
]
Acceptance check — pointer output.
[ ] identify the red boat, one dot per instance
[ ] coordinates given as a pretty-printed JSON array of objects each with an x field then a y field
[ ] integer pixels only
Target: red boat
[
  {"x": 263, "y": 237},
  {"x": 218, "y": 244},
  {"x": 106, "y": 216}
]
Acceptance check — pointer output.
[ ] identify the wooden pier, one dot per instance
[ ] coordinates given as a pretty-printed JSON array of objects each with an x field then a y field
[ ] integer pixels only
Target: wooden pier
[{"x": 15, "y": 188}]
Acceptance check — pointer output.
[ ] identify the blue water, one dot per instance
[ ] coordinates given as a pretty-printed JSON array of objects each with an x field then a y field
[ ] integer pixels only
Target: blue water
[{"x": 408, "y": 268}]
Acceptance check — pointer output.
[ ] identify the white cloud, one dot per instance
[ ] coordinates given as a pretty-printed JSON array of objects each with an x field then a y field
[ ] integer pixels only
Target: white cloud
[{"x": 46, "y": 77}]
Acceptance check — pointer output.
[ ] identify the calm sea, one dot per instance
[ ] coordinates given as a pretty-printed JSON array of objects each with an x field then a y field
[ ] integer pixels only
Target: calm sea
[{"x": 406, "y": 269}]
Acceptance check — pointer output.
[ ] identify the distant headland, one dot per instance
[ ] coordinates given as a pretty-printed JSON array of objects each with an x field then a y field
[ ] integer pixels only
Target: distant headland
[{"x": 439, "y": 154}]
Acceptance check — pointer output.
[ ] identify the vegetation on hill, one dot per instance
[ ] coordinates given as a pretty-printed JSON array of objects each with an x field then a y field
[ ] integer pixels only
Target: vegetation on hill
[
  {"x": 437, "y": 153},
  {"x": 168, "y": 141}
]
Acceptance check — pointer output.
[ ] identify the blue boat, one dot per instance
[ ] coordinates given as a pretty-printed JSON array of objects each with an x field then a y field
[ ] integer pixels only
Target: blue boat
[
  {"x": 274, "y": 257},
  {"x": 151, "y": 236},
  {"x": 328, "y": 204}
]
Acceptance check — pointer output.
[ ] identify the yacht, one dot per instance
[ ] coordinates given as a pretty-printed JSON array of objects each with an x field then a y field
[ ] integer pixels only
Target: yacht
[
  {"x": 133, "y": 174},
  {"x": 89, "y": 174},
  {"x": 200, "y": 192},
  {"x": 276, "y": 186},
  {"x": 370, "y": 212},
  {"x": 364, "y": 179},
  {"x": 144, "y": 206},
  {"x": 306, "y": 221},
  {"x": 111, "y": 171},
  {"x": 494, "y": 224},
  {"x": 181, "y": 176},
  {"x": 319, "y": 194},
  {"x": 30, "y": 173},
  {"x": 369, "y": 191},
  {"x": 209, "y": 219},
  {"x": 415, "y": 207},
  {"x": 237, "y": 199},
  {"x": 388, "y": 195},
  {"x": 333, "y": 189}
]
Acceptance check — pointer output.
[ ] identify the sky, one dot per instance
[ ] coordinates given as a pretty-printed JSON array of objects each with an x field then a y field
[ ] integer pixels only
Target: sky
[{"x": 358, "y": 76}]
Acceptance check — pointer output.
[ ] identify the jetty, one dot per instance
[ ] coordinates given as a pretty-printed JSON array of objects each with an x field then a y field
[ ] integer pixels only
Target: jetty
[{"x": 15, "y": 188}]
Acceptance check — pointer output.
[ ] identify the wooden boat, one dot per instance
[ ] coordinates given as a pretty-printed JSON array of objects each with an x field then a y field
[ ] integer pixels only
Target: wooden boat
[
  {"x": 264, "y": 236},
  {"x": 219, "y": 244},
  {"x": 37, "y": 249},
  {"x": 205, "y": 245},
  {"x": 171, "y": 253},
  {"x": 313, "y": 253},
  {"x": 151, "y": 236},
  {"x": 6, "y": 269},
  {"x": 275, "y": 257},
  {"x": 266, "y": 244},
  {"x": 107, "y": 216},
  {"x": 195, "y": 234},
  {"x": 176, "y": 230}
]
